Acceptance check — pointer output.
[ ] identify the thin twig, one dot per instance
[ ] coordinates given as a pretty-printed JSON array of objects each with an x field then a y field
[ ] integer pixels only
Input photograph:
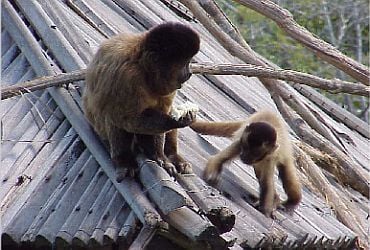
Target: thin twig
[
  {"x": 42, "y": 83},
  {"x": 284, "y": 19},
  {"x": 332, "y": 86}
]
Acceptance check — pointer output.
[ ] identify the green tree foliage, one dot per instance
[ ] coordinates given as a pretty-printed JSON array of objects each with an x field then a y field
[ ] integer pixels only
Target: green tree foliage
[{"x": 342, "y": 23}]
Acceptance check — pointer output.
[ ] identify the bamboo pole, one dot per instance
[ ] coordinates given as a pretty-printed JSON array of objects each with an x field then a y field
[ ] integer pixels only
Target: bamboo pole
[{"x": 209, "y": 201}]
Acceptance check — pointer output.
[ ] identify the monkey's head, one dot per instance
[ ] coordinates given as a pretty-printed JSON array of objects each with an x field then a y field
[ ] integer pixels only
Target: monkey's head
[
  {"x": 168, "y": 48},
  {"x": 257, "y": 142}
]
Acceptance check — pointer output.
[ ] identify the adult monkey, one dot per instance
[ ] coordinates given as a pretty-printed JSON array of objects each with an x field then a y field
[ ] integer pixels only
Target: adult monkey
[
  {"x": 130, "y": 86},
  {"x": 263, "y": 142}
]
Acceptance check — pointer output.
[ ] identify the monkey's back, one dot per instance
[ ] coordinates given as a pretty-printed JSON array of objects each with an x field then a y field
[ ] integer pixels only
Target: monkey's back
[{"x": 112, "y": 80}]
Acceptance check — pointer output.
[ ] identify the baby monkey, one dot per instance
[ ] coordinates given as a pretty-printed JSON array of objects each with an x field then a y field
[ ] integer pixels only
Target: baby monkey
[{"x": 263, "y": 142}]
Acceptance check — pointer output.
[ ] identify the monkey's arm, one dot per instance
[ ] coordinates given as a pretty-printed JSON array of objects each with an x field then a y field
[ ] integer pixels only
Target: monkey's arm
[
  {"x": 215, "y": 163},
  {"x": 151, "y": 122},
  {"x": 225, "y": 129}
]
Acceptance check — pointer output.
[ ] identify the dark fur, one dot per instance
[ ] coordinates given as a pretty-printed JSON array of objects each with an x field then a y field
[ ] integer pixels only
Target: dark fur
[
  {"x": 130, "y": 86},
  {"x": 261, "y": 141}
]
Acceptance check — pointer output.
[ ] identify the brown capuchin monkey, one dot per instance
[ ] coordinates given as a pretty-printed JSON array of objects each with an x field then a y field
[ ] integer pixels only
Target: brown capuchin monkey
[
  {"x": 263, "y": 142},
  {"x": 130, "y": 86}
]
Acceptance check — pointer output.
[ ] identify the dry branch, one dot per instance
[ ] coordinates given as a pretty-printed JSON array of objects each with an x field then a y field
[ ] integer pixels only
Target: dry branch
[
  {"x": 322, "y": 49},
  {"x": 347, "y": 216},
  {"x": 348, "y": 171},
  {"x": 42, "y": 83},
  {"x": 223, "y": 21},
  {"x": 332, "y": 86},
  {"x": 321, "y": 159},
  {"x": 334, "y": 110},
  {"x": 209, "y": 201}
]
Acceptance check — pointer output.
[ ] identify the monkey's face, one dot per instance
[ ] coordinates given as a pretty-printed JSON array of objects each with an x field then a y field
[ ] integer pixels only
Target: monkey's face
[
  {"x": 257, "y": 142},
  {"x": 251, "y": 155},
  {"x": 167, "y": 51},
  {"x": 183, "y": 74},
  {"x": 170, "y": 78}
]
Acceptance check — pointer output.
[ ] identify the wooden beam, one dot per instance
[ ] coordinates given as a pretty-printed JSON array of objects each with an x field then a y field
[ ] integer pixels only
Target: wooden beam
[{"x": 209, "y": 201}]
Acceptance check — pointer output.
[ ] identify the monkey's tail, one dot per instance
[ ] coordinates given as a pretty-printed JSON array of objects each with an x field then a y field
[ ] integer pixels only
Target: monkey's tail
[{"x": 224, "y": 129}]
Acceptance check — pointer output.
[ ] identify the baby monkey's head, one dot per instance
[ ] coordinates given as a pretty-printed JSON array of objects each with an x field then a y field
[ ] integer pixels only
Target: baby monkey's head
[{"x": 257, "y": 142}]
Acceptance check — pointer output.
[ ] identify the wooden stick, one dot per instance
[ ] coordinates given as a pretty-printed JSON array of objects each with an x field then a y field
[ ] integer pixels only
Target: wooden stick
[
  {"x": 192, "y": 225},
  {"x": 42, "y": 83},
  {"x": 332, "y": 86},
  {"x": 209, "y": 200},
  {"x": 166, "y": 194},
  {"x": 343, "y": 212},
  {"x": 143, "y": 238},
  {"x": 284, "y": 19}
]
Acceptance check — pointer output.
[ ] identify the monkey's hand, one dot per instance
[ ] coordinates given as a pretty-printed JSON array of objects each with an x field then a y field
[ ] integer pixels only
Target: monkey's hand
[
  {"x": 185, "y": 114},
  {"x": 187, "y": 119},
  {"x": 213, "y": 171}
]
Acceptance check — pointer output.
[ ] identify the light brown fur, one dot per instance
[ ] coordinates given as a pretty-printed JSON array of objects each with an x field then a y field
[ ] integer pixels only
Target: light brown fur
[
  {"x": 274, "y": 155},
  {"x": 130, "y": 86}
]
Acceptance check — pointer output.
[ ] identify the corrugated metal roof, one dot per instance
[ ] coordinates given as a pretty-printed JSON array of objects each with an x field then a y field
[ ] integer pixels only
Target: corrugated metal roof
[{"x": 55, "y": 193}]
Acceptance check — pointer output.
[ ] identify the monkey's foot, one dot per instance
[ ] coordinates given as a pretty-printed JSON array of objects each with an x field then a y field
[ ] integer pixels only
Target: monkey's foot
[
  {"x": 268, "y": 212},
  {"x": 121, "y": 173},
  {"x": 288, "y": 208},
  {"x": 125, "y": 166},
  {"x": 277, "y": 202},
  {"x": 182, "y": 166},
  {"x": 168, "y": 166}
]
